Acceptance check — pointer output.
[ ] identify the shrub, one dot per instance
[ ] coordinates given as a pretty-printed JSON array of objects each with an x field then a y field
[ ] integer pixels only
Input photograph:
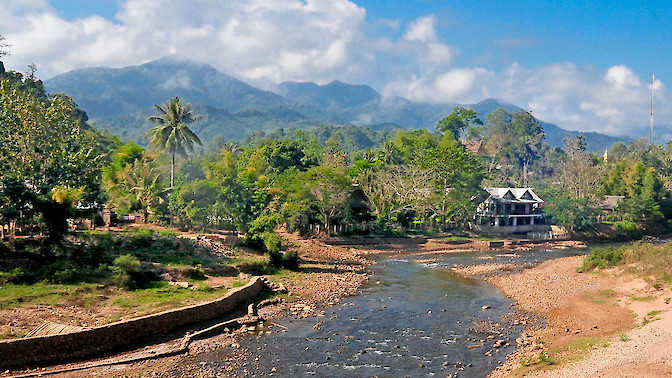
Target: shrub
[
  {"x": 627, "y": 226},
  {"x": 261, "y": 233},
  {"x": 128, "y": 273},
  {"x": 601, "y": 258},
  {"x": 70, "y": 272},
  {"x": 141, "y": 238},
  {"x": 272, "y": 242},
  {"x": 288, "y": 260},
  {"x": 17, "y": 275}
]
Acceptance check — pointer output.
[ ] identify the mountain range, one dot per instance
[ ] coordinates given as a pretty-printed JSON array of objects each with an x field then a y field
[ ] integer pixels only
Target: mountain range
[{"x": 120, "y": 100}]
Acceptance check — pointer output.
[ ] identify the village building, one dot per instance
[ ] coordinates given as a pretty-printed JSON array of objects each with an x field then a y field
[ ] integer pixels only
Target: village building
[
  {"x": 474, "y": 146},
  {"x": 608, "y": 208},
  {"x": 511, "y": 211}
]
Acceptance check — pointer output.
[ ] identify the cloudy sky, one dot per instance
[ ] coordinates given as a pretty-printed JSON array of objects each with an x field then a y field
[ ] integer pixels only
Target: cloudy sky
[{"x": 584, "y": 65}]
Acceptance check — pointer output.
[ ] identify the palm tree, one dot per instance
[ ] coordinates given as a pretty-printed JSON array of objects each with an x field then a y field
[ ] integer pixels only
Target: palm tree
[{"x": 172, "y": 135}]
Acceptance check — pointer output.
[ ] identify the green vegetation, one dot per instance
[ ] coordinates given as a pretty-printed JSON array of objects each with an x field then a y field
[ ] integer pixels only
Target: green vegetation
[
  {"x": 539, "y": 362},
  {"x": 647, "y": 260},
  {"x": 601, "y": 258}
]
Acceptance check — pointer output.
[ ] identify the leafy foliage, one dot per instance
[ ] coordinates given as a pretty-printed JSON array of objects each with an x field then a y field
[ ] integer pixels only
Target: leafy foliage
[
  {"x": 602, "y": 258},
  {"x": 49, "y": 162}
]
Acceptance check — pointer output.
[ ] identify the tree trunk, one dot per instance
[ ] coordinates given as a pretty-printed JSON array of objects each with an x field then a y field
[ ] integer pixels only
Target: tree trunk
[{"x": 172, "y": 171}]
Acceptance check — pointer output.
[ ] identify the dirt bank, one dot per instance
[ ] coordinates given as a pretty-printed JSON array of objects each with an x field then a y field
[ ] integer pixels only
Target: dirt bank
[{"x": 607, "y": 323}]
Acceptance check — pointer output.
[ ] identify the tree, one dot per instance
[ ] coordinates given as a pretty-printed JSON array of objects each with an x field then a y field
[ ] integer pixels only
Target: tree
[
  {"x": 457, "y": 176},
  {"x": 457, "y": 121},
  {"x": 172, "y": 135},
  {"x": 320, "y": 192},
  {"x": 514, "y": 140},
  {"x": 48, "y": 159},
  {"x": 578, "y": 175},
  {"x": 3, "y": 47}
]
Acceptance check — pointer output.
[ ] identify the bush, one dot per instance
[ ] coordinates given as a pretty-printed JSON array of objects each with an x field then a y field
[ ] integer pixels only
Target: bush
[
  {"x": 141, "y": 238},
  {"x": 128, "y": 273},
  {"x": 601, "y": 258},
  {"x": 17, "y": 275},
  {"x": 261, "y": 234},
  {"x": 272, "y": 242},
  {"x": 627, "y": 226},
  {"x": 70, "y": 272},
  {"x": 288, "y": 260}
]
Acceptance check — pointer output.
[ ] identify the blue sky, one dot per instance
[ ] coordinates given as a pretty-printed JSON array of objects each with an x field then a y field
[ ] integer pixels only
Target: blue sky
[{"x": 584, "y": 65}]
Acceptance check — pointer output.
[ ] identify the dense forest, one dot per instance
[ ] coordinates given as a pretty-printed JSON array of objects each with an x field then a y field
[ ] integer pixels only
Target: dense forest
[{"x": 331, "y": 179}]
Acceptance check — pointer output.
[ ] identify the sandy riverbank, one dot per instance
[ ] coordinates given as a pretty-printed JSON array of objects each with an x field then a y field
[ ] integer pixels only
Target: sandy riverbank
[{"x": 602, "y": 324}]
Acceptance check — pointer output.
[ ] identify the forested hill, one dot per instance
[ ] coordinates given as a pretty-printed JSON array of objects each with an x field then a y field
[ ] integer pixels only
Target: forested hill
[{"x": 120, "y": 100}]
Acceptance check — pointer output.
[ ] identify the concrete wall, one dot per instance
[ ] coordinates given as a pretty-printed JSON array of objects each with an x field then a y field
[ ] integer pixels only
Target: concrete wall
[{"x": 34, "y": 350}]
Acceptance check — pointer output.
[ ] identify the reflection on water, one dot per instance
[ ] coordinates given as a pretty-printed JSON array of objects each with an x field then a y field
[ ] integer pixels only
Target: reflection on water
[{"x": 411, "y": 320}]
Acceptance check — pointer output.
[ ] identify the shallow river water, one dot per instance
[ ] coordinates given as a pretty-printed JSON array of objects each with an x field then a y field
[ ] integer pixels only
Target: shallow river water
[{"x": 411, "y": 319}]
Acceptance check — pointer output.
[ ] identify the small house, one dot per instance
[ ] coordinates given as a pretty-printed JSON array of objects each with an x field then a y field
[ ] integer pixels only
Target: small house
[{"x": 511, "y": 211}]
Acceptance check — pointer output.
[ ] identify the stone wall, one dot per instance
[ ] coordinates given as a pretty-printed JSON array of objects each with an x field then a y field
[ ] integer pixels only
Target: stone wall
[{"x": 35, "y": 350}]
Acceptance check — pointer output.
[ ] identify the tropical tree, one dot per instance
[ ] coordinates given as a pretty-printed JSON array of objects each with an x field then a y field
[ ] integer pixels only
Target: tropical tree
[
  {"x": 514, "y": 141},
  {"x": 172, "y": 135},
  {"x": 458, "y": 121},
  {"x": 48, "y": 161}
]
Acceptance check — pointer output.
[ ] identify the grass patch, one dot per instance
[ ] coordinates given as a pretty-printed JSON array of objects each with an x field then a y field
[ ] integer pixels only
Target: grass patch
[
  {"x": 585, "y": 343},
  {"x": 540, "y": 359},
  {"x": 560, "y": 355},
  {"x": 162, "y": 296},
  {"x": 531, "y": 364},
  {"x": 648, "y": 298},
  {"x": 651, "y": 317},
  {"x": 44, "y": 294}
]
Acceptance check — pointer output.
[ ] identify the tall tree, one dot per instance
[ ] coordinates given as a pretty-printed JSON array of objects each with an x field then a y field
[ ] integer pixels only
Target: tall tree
[
  {"x": 458, "y": 121},
  {"x": 3, "y": 47},
  {"x": 47, "y": 161},
  {"x": 578, "y": 174},
  {"x": 172, "y": 135},
  {"x": 513, "y": 140}
]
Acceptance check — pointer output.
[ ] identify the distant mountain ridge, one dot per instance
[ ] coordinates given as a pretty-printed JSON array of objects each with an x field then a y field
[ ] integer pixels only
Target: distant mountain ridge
[{"x": 120, "y": 100}]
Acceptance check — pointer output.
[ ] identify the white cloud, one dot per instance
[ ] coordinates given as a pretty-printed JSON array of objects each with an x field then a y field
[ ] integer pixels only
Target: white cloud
[
  {"x": 270, "y": 41},
  {"x": 422, "y": 30}
]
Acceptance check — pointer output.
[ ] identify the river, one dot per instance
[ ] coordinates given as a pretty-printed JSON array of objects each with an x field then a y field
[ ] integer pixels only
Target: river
[{"x": 411, "y": 319}]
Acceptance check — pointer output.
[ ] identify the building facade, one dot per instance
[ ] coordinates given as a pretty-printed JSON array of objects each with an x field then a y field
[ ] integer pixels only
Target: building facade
[{"x": 511, "y": 211}]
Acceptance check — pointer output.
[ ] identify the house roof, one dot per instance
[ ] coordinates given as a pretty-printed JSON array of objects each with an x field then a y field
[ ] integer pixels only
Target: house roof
[
  {"x": 610, "y": 202},
  {"x": 474, "y": 146},
  {"x": 520, "y": 195}
]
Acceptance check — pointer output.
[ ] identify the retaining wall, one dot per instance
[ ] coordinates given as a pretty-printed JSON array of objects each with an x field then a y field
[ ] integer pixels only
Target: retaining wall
[{"x": 35, "y": 350}]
